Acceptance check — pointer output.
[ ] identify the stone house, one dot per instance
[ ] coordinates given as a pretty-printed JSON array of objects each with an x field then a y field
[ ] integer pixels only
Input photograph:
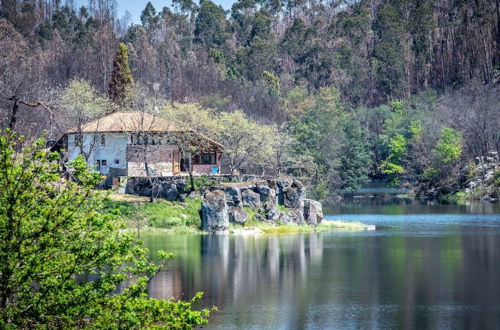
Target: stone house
[{"x": 139, "y": 144}]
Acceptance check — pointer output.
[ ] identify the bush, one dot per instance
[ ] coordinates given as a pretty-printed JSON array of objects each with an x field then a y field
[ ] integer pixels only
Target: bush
[{"x": 53, "y": 230}]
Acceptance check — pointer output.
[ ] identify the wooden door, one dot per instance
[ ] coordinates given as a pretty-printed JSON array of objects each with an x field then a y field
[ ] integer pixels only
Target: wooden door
[{"x": 176, "y": 162}]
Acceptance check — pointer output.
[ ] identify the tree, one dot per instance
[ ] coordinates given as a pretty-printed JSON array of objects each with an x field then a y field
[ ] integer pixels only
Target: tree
[
  {"x": 63, "y": 257},
  {"x": 389, "y": 53},
  {"x": 80, "y": 104},
  {"x": 19, "y": 73},
  {"x": 449, "y": 147},
  {"x": 121, "y": 77},
  {"x": 316, "y": 128},
  {"x": 148, "y": 15},
  {"x": 247, "y": 143},
  {"x": 210, "y": 28},
  {"x": 354, "y": 158},
  {"x": 392, "y": 166}
]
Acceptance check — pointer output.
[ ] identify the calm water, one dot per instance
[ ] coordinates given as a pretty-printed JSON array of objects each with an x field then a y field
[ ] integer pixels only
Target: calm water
[{"x": 431, "y": 266}]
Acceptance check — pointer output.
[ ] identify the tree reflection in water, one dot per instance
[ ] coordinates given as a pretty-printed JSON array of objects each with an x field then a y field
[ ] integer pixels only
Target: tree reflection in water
[{"x": 386, "y": 279}]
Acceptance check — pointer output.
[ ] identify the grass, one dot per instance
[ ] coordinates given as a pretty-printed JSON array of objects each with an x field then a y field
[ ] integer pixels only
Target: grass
[
  {"x": 325, "y": 226},
  {"x": 164, "y": 217},
  {"x": 179, "y": 217}
]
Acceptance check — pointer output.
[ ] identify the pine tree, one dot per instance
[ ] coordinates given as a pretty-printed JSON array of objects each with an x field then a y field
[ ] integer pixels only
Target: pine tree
[{"x": 121, "y": 78}]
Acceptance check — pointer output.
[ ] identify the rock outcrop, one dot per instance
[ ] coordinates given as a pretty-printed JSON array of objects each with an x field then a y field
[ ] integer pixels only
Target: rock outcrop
[
  {"x": 273, "y": 201},
  {"x": 214, "y": 212},
  {"x": 484, "y": 183},
  {"x": 313, "y": 212}
]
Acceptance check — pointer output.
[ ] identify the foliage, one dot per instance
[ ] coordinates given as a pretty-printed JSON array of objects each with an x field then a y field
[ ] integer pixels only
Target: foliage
[
  {"x": 82, "y": 102},
  {"x": 210, "y": 26},
  {"x": 63, "y": 258},
  {"x": 400, "y": 67},
  {"x": 392, "y": 165},
  {"x": 449, "y": 146},
  {"x": 354, "y": 158},
  {"x": 315, "y": 128},
  {"x": 247, "y": 144},
  {"x": 121, "y": 78}
]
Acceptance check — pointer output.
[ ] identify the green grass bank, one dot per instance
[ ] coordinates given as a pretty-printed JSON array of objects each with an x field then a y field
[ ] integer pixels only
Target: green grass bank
[{"x": 162, "y": 216}]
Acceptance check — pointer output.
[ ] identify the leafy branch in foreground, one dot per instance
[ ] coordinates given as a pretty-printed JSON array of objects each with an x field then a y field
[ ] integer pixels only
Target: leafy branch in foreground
[{"x": 63, "y": 259}]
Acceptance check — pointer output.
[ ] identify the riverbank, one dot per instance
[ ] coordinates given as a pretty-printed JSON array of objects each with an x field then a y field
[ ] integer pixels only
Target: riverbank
[{"x": 164, "y": 217}]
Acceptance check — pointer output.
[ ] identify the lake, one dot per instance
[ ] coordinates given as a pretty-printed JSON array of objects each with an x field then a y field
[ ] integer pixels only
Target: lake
[{"x": 428, "y": 266}]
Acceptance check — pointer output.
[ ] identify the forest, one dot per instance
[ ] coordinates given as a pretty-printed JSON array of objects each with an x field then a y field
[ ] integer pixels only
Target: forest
[{"x": 335, "y": 92}]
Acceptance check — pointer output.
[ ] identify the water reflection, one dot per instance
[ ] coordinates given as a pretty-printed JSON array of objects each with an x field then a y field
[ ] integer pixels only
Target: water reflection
[
  {"x": 391, "y": 204},
  {"x": 338, "y": 280}
]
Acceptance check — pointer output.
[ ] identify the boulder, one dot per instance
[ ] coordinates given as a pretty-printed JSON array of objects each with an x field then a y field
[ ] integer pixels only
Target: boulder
[
  {"x": 294, "y": 196},
  {"x": 234, "y": 195},
  {"x": 296, "y": 215},
  {"x": 237, "y": 215},
  {"x": 313, "y": 212},
  {"x": 284, "y": 218},
  {"x": 273, "y": 214},
  {"x": 250, "y": 198},
  {"x": 266, "y": 192},
  {"x": 214, "y": 212}
]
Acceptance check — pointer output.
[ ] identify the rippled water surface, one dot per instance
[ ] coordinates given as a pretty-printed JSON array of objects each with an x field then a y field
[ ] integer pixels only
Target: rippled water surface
[{"x": 430, "y": 266}]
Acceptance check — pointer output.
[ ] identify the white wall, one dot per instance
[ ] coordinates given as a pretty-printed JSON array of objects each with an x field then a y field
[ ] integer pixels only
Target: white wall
[{"x": 115, "y": 148}]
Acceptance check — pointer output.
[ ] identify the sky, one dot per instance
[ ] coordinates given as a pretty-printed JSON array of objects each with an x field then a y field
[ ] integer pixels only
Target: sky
[{"x": 135, "y": 7}]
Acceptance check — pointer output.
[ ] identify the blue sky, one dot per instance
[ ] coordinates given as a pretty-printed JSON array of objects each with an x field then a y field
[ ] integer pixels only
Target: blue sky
[{"x": 135, "y": 7}]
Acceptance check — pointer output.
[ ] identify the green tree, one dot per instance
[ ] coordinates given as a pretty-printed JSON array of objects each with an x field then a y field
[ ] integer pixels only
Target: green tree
[
  {"x": 121, "y": 78},
  {"x": 392, "y": 166},
  {"x": 354, "y": 158},
  {"x": 210, "y": 26},
  {"x": 315, "y": 128},
  {"x": 449, "y": 146},
  {"x": 63, "y": 257},
  {"x": 148, "y": 15},
  {"x": 389, "y": 53}
]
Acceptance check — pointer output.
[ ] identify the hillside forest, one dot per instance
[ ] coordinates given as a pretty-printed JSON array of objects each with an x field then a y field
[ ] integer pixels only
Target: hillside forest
[{"x": 334, "y": 92}]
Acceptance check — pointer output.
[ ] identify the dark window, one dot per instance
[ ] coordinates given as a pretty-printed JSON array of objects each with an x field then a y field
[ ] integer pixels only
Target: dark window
[
  {"x": 117, "y": 161},
  {"x": 208, "y": 158},
  {"x": 78, "y": 139},
  {"x": 196, "y": 159},
  {"x": 103, "y": 140},
  {"x": 104, "y": 162},
  {"x": 98, "y": 165}
]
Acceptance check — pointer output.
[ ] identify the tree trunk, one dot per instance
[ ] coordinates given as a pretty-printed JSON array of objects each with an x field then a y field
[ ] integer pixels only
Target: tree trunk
[{"x": 15, "y": 108}]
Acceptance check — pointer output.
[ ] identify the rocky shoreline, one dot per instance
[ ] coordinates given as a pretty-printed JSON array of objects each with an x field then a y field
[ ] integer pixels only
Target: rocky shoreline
[{"x": 272, "y": 201}]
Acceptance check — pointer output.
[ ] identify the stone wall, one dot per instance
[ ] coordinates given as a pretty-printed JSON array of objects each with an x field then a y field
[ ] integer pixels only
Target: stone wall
[
  {"x": 169, "y": 188},
  {"x": 172, "y": 188},
  {"x": 273, "y": 200}
]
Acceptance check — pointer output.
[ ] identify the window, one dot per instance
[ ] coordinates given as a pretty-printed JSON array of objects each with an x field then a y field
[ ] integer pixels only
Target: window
[
  {"x": 205, "y": 158},
  {"x": 100, "y": 163},
  {"x": 103, "y": 140},
  {"x": 117, "y": 161},
  {"x": 78, "y": 139}
]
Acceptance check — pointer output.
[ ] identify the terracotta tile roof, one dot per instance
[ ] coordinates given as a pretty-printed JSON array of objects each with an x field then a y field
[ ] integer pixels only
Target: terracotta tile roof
[
  {"x": 127, "y": 122},
  {"x": 134, "y": 122}
]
